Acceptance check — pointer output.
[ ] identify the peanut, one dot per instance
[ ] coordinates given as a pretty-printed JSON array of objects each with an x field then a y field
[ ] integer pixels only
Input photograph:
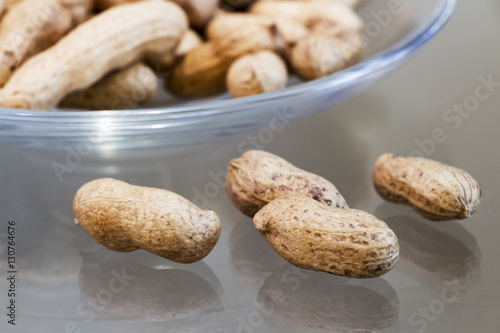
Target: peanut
[
  {"x": 132, "y": 86},
  {"x": 202, "y": 71},
  {"x": 29, "y": 28},
  {"x": 318, "y": 55},
  {"x": 257, "y": 178},
  {"x": 434, "y": 190},
  {"x": 311, "y": 13},
  {"x": 313, "y": 236},
  {"x": 111, "y": 40},
  {"x": 256, "y": 73},
  {"x": 223, "y": 23},
  {"x": 125, "y": 218}
]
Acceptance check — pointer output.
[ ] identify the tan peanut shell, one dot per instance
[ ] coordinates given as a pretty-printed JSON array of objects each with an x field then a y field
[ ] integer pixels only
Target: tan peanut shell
[
  {"x": 258, "y": 177},
  {"x": 313, "y": 236},
  {"x": 318, "y": 54},
  {"x": 125, "y": 218},
  {"x": 256, "y": 73},
  {"x": 199, "y": 11},
  {"x": 203, "y": 70},
  {"x": 434, "y": 190},
  {"x": 111, "y": 40},
  {"x": 132, "y": 86},
  {"x": 311, "y": 13},
  {"x": 224, "y": 22},
  {"x": 27, "y": 29}
]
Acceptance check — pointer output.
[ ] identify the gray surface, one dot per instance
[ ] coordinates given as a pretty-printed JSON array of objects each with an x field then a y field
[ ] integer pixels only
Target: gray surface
[{"x": 448, "y": 276}]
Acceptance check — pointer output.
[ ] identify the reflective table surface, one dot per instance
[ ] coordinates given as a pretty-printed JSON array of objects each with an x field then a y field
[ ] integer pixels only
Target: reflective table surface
[{"x": 443, "y": 104}]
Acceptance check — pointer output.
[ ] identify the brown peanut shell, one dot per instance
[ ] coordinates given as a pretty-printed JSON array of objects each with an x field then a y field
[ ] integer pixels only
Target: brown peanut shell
[
  {"x": 256, "y": 73},
  {"x": 125, "y": 218},
  {"x": 258, "y": 177},
  {"x": 434, "y": 190},
  {"x": 313, "y": 236}
]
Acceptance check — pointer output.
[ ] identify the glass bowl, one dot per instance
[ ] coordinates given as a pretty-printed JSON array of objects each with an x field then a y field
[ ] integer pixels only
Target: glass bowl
[{"x": 392, "y": 33}]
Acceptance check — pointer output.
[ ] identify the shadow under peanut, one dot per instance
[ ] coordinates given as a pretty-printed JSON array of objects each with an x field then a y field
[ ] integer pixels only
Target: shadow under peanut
[
  {"x": 252, "y": 258},
  {"x": 318, "y": 302},
  {"x": 445, "y": 251},
  {"x": 131, "y": 290}
]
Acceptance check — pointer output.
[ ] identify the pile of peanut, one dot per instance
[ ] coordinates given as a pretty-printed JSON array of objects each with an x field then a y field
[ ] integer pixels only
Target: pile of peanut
[
  {"x": 302, "y": 215},
  {"x": 104, "y": 54}
]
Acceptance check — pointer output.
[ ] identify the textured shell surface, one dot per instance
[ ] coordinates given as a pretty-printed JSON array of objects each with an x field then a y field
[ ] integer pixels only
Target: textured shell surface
[
  {"x": 433, "y": 189},
  {"x": 313, "y": 236},
  {"x": 258, "y": 177},
  {"x": 126, "y": 217}
]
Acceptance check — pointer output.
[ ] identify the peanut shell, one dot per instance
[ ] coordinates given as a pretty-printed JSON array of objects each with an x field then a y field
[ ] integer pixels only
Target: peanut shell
[
  {"x": 313, "y": 236},
  {"x": 434, "y": 190},
  {"x": 258, "y": 177},
  {"x": 127, "y": 88},
  {"x": 256, "y": 73},
  {"x": 224, "y": 23},
  {"x": 125, "y": 218},
  {"x": 321, "y": 54}
]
